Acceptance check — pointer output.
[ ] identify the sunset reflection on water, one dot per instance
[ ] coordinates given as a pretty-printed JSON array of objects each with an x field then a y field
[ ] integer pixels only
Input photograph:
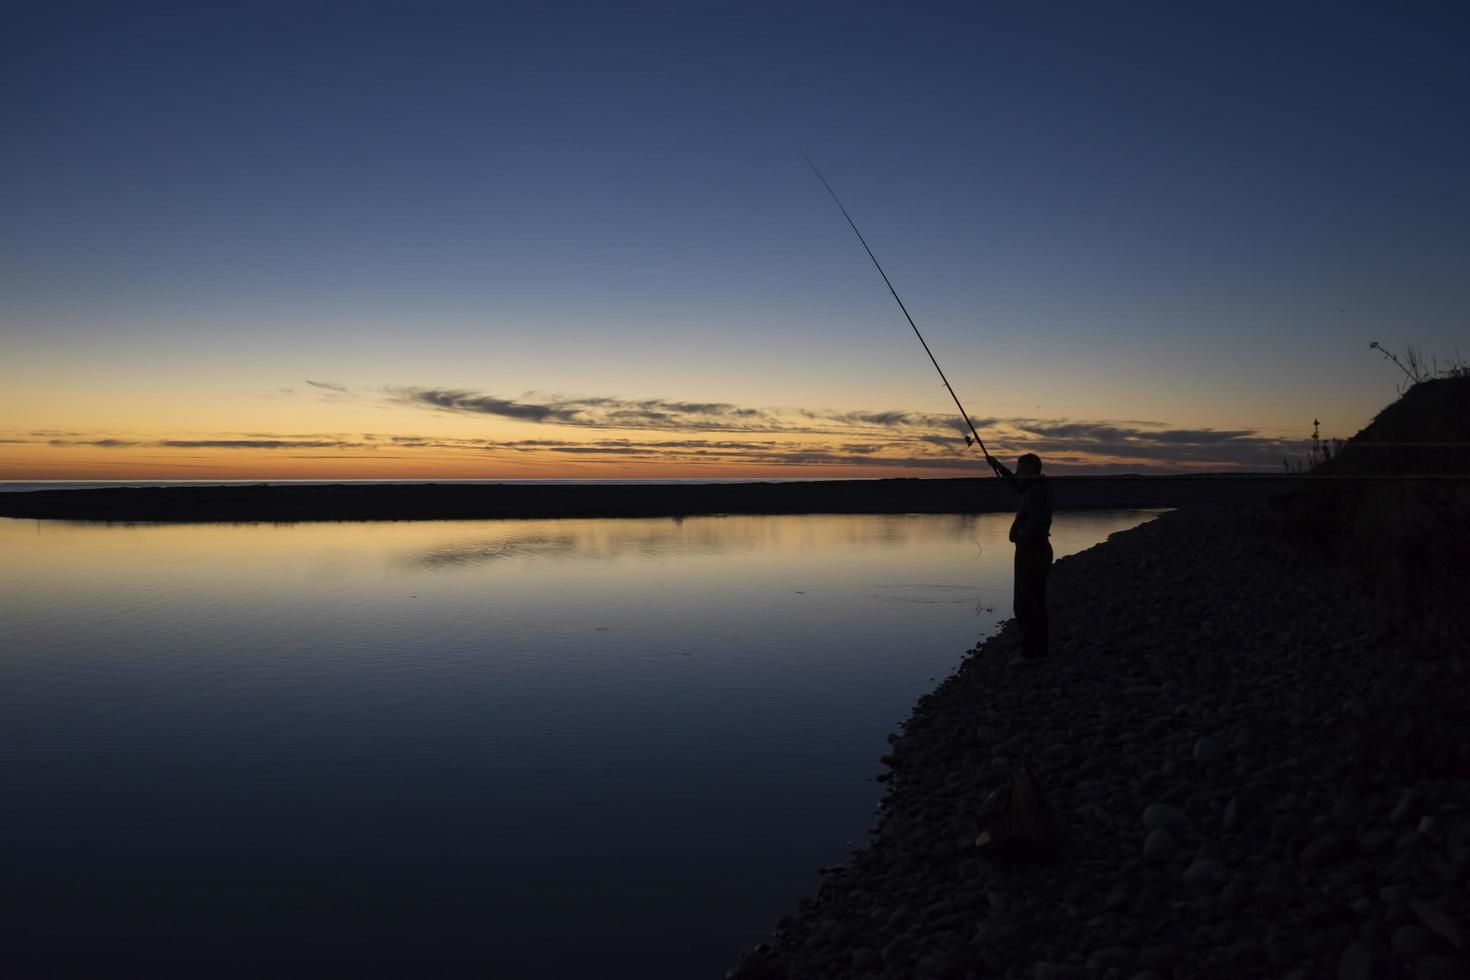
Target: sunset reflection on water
[{"x": 426, "y": 745}]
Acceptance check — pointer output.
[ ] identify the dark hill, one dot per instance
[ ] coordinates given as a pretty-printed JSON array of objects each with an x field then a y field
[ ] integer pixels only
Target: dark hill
[
  {"x": 1424, "y": 433},
  {"x": 1393, "y": 506}
]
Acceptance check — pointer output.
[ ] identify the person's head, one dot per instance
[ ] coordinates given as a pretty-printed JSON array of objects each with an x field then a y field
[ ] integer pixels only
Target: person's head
[{"x": 1028, "y": 465}]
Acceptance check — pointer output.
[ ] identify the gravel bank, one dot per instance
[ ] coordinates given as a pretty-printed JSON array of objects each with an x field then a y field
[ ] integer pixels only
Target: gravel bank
[{"x": 1251, "y": 781}]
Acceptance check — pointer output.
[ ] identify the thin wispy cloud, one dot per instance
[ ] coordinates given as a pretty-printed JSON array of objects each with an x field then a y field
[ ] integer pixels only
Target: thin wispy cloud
[
  {"x": 100, "y": 443},
  {"x": 663, "y": 415},
  {"x": 471, "y": 403},
  {"x": 258, "y": 444},
  {"x": 595, "y": 412},
  {"x": 267, "y": 443}
]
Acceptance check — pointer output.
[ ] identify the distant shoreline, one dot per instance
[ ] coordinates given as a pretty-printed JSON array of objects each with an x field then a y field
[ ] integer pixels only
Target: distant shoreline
[{"x": 262, "y": 502}]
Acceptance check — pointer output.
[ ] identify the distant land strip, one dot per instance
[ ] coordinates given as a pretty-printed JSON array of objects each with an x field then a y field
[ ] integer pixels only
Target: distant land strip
[{"x": 446, "y": 501}]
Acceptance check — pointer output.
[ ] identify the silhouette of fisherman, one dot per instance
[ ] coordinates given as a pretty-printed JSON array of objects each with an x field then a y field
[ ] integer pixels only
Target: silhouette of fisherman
[{"x": 1031, "y": 532}]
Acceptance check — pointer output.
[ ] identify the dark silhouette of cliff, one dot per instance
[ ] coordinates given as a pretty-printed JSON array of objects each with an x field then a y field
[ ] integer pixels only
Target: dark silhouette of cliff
[
  {"x": 1393, "y": 506},
  {"x": 1425, "y": 433}
]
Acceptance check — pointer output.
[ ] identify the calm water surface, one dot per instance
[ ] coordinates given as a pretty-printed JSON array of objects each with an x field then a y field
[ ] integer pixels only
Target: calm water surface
[{"x": 486, "y": 748}]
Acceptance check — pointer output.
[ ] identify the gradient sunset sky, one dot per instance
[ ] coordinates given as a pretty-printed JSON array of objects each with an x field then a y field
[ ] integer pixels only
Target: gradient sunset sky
[{"x": 427, "y": 240}]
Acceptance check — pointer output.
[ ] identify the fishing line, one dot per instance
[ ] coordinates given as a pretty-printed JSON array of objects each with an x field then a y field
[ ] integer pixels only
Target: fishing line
[{"x": 852, "y": 224}]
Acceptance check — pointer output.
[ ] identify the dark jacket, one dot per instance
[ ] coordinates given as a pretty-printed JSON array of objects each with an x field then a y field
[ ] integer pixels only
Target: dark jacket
[{"x": 1033, "y": 513}]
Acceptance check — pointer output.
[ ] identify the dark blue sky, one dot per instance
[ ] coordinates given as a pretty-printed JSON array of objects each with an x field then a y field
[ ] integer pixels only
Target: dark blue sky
[{"x": 1212, "y": 204}]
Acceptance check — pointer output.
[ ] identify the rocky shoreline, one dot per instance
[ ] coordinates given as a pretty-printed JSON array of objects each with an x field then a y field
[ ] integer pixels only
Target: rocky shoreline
[{"x": 1253, "y": 777}]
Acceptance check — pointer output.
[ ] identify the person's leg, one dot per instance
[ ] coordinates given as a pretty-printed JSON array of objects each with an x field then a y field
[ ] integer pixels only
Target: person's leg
[
  {"x": 1021, "y": 595},
  {"x": 1041, "y": 640},
  {"x": 1026, "y": 605},
  {"x": 1019, "y": 588}
]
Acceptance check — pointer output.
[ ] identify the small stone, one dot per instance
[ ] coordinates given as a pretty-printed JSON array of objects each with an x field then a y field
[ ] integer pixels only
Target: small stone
[
  {"x": 1117, "y": 898},
  {"x": 1234, "y": 895},
  {"x": 958, "y": 961},
  {"x": 993, "y": 934},
  {"x": 1374, "y": 842},
  {"x": 1327, "y": 942},
  {"x": 1407, "y": 808},
  {"x": 1159, "y": 957},
  {"x": 1347, "y": 811},
  {"x": 1327, "y": 849},
  {"x": 1287, "y": 825},
  {"x": 900, "y": 951},
  {"x": 1234, "y": 814},
  {"x": 1441, "y": 968},
  {"x": 1406, "y": 867},
  {"x": 1273, "y": 893},
  {"x": 1176, "y": 794},
  {"x": 1206, "y": 874},
  {"x": 865, "y": 958},
  {"x": 1114, "y": 957},
  {"x": 935, "y": 910},
  {"x": 1356, "y": 963},
  {"x": 1322, "y": 915},
  {"x": 1411, "y": 942},
  {"x": 1208, "y": 750},
  {"x": 1160, "y": 846},
  {"x": 1058, "y": 971},
  {"x": 1247, "y": 952},
  {"x": 755, "y": 965},
  {"x": 1055, "y": 753},
  {"x": 1163, "y": 816},
  {"x": 1280, "y": 954},
  {"x": 1205, "y": 906},
  {"x": 1435, "y": 918}
]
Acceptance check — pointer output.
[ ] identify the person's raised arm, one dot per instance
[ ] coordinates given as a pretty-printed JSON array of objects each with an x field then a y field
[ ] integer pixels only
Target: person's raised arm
[{"x": 1002, "y": 472}]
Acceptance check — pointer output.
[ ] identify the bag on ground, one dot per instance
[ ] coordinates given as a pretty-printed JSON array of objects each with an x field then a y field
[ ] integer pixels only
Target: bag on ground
[{"x": 1016, "y": 822}]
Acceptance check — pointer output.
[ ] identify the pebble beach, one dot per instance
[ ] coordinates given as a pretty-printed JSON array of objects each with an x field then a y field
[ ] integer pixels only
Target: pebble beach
[{"x": 1253, "y": 775}]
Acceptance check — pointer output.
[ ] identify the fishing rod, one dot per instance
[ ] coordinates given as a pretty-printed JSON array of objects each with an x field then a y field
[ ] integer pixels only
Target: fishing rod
[{"x": 963, "y": 414}]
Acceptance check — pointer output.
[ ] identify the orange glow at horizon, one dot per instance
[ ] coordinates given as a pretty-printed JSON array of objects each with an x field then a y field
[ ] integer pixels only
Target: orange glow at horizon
[
  {"x": 72, "y": 464},
  {"x": 239, "y": 429},
  {"x": 31, "y": 463}
]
